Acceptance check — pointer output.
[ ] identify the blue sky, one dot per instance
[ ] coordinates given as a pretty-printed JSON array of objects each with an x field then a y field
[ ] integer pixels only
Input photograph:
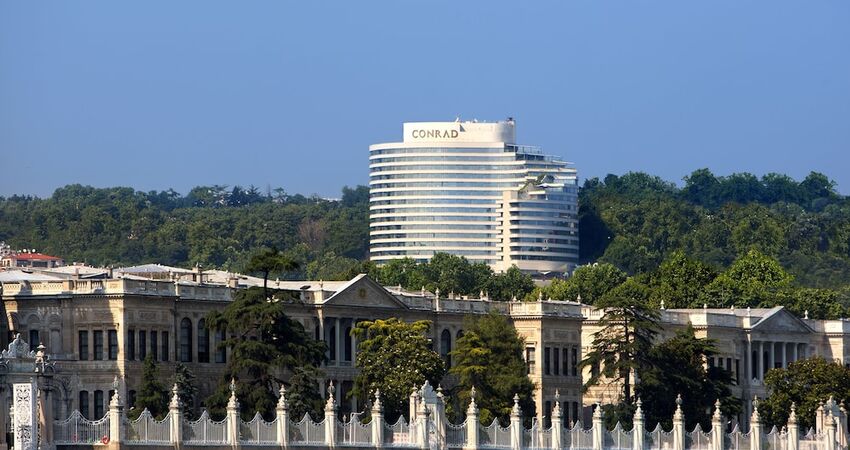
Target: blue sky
[{"x": 163, "y": 94}]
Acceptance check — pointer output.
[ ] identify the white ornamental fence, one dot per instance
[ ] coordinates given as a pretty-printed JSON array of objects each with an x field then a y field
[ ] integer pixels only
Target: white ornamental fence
[{"x": 428, "y": 429}]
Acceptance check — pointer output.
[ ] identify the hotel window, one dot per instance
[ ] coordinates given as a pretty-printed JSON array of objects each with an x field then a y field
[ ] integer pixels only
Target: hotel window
[
  {"x": 529, "y": 360},
  {"x": 203, "y": 342},
  {"x": 574, "y": 362},
  {"x": 220, "y": 349},
  {"x": 83, "y": 345},
  {"x": 112, "y": 340},
  {"x": 34, "y": 340},
  {"x": 131, "y": 345},
  {"x": 165, "y": 346},
  {"x": 98, "y": 405},
  {"x": 143, "y": 344},
  {"x": 98, "y": 345},
  {"x": 186, "y": 340},
  {"x": 556, "y": 360},
  {"x": 154, "y": 345},
  {"x": 84, "y": 404},
  {"x": 547, "y": 363}
]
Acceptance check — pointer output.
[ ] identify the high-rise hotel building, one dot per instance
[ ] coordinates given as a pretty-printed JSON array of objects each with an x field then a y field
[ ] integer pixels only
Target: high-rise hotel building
[{"x": 468, "y": 189}]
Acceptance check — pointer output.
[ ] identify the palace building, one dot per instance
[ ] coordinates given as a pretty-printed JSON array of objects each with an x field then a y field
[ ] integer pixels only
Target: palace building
[
  {"x": 100, "y": 325},
  {"x": 467, "y": 188}
]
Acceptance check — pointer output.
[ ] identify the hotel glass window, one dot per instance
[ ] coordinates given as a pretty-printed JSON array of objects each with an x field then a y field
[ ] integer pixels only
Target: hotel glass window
[
  {"x": 220, "y": 350},
  {"x": 98, "y": 345},
  {"x": 131, "y": 345},
  {"x": 203, "y": 342},
  {"x": 143, "y": 344},
  {"x": 529, "y": 360},
  {"x": 83, "y": 345},
  {"x": 154, "y": 345},
  {"x": 547, "y": 361},
  {"x": 112, "y": 340},
  {"x": 34, "y": 339},
  {"x": 84, "y": 404},
  {"x": 165, "y": 346},
  {"x": 98, "y": 405},
  {"x": 186, "y": 340}
]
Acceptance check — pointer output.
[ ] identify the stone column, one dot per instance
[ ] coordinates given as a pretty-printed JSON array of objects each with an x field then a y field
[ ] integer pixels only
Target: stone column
[
  {"x": 377, "y": 421},
  {"x": 793, "y": 429},
  {"x": 353, "y": 350},
  {"x": 598, "y": 428},
  {"x": 116, "y": 425},
  {"x": 175, "y": 411},
  {"x": 233, "y": 419},
  {"x": 761, "y": 361},
  {"x": 424, "y": 416},
  {"x": 557, "y": 423},
  {"x": 471, "y": 423},
  {"x": 638, "y": 428},
  {"x": 717, "y": 428},
  {"x": 772, "y": 356},
  {"x": 829, "y": 426},
  {"x": 794, "y": 351},
  {"x": 440, "y": 418},
  {"x": 679, "y": 426},
  {"x": 339, "y": 342},
  {"x": 412, "y": 412},
  {"x": 755, "y": 426},
  {"x": 749, "y": 359},
  {"x": 516, "y": 425},
  {"x": 282, "y": 412},
  {"x": 47, "y": 412},
  {"x": 330, "y": 414},
  {"x": 784, "y": 355}
]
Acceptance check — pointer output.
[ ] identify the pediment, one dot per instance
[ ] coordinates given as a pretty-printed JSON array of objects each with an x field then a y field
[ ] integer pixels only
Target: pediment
[
  {"x": 362, "y": 291},
  {"x": 782, "y": 321}
]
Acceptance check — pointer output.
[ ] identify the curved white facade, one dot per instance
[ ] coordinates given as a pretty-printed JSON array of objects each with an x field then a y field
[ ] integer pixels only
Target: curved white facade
[{"x": 466, "y": 188}]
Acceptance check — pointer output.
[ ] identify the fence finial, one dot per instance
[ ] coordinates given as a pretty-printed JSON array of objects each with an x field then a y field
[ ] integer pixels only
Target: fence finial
[
  {"x": 331, "y": 404},
  {"x": 175, "y": 397},
  {"x": 516, "y": 411},
  {"x": 377, "y": 405},
  {"x": 233, "y": 402},
  {"x": 717, "y": 410},
  {"x": 473, "y": 408},
  {"x": 282, "y": 403},
  {"x": 792, "y": 417},
  {"x": 597, "y": 412},
  {"x": 755, "y": 416},
  {"x": 556, "y": 410}
]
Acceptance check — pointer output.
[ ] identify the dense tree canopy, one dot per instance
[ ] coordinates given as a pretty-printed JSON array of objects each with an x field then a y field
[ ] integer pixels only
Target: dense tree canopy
[
  {"x": 152, "y": 394},
  {"x": 807, "y": 383},
  {"x": 395, "y": 357}
]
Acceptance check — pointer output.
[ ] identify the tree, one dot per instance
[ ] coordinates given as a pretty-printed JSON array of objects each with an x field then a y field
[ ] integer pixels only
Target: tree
[
  {"x": 806, "y": 383},
  {"x": 152, "y": 394},
  {"x": 395, "y": 357},
  {"x": 512, "y": 283},
  {"x": 750, "y": 280},
  {"x": 267, "y": 350},
  {"x": 187, "y": 388},
  {"x": 588, "y": 283},
  {"x": 680, "y": 281},
  {"x": 269, "y": 261},
  {"x": 621, "y": 346},
  {"x": 677, "y": 367},
  {"x": 489, "y": 357}
]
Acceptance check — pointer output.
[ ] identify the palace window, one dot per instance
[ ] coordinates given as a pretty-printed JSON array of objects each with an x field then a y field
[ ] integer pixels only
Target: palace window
[
  {"x": 98, "y": 405},
  {"x": 574, "y": 362},
  {"x": 547, "y": 361},
  {"x": 220, "y": 350},
  {"x": 566, "y": 362},
  {"x": 203, "y": 342},
  {"x": 84, "y": 404},
  {"x": 332, "y": 344},
  {"x": 165, "y": 346},
  {"x": 34, "y": 339},
  {"x": 446, "y": 347},
  {"x": 348, "y": 344},
  {"x": 186, "y": 340},
  {"x": 529, "y": 360},
  {"x": 556, "y": 360},
  {"x": 112, "y": 341},
  {"x": 98, "y": 345},
  {"x": 83, "y": 345},
  {"x": 143, "y": 344},
  {"x": 154, "y": 345},
  {"x": 131, "y": 345}
]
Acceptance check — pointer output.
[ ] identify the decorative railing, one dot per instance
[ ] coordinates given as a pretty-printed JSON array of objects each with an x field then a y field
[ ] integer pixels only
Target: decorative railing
[
  {"x": 258, "y": 431},
  {"x": 698, "y": 439},
  {"x": 205, "y": 431},
  {"x": 308, "y": 432},
  {"x": 146, "y": 430},
  {"x": 618, "y": 439},
  {"x": 77, "y": 430},
  {"x": 494, "y": 436},
  {"x": 354, "y": 433},
  {"x": 397, "y": 435},
  {"x": 658, "y": 439},
  {"x": 456, "y": 435}
]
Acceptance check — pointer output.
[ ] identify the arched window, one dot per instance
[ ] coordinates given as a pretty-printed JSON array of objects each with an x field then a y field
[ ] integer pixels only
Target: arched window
[
  {"x": 220, "y": 350},
  {"x": 348, "y": 343},
  {"x": 203, "y": 342},
  {"x": 446, "y": 347},
  {"x": 459, "y": 334},
  {"x": 186, "y": 340},
  {"x": 98, "y": 405},
  {"x": 84, "y": 404}
]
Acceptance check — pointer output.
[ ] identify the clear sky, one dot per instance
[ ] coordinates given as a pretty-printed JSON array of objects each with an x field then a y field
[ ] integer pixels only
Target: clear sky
[{"x": 173, "y": 94}]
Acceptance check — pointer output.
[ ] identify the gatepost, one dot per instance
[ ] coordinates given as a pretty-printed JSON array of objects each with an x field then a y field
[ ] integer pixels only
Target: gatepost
[
  {"x": 830, "y": 431},
  {"x": 557, "y": 426},
  {"x": 116, "y": 425},
  {"x": 175, "y": 411},
  {"x": 755, "y": 426},
  {"x": 330, "y": 417},
  {"x": 717, "y": 428},
  {"x": 471, "y": 423},
  {"x": 378, "y": 421},
  {"x": 516, "y": 425},
  {"x": 679, "y": 426},
  {"x": 25, "y": 423},
  {"x": 793, "y": 429},
  {"x": 282, "y": 412},
  {"x": 598, "y": 428},
  {"x": 637, "y": 430},
  {"x": 233, "y": 418}
]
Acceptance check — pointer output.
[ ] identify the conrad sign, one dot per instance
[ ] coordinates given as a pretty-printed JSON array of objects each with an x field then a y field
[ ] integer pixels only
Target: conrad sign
[{"x": 434, "y": 134}]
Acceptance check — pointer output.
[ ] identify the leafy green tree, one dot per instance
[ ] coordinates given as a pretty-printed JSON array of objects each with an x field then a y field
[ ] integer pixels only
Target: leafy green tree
[
  {"x": 621, "y": 346},
  {"x": 269, "y": 261},
  {"x": 152, "y": 394},
  {"x": 680, "y": 281},
  {"x": 588, "y": 283},
  {"x": 677, "y": 367},
  {"x": 395, "y": 357},
  {"x": 187, "y": 387},
  {"x": 807, "y": 383},
  {"x": 512, "y": 283},
  {"x": 489, "y": 357},
  {"x": 752, "y": 279},
  {"x": 267, "y": 349}
]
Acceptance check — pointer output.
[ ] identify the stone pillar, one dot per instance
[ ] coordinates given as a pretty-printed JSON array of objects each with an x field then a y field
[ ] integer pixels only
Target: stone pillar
[
  {"x": 440, "y": 418},
  {"x": 233, "y": 419},
  {"x": 829, "y": 428},
  {"x": 330, "y": 414},
  {"x": 423, "y": 417},
  {"x": 717, "y": 431},
  {"x": 47, "y": 415},
  {"x": 471, "y": 423},
  {"x": 638, "y": 432},
  {"x": 282, "y": 412},
  {"x": 771, "y": 354},
  {"x": 175, "y": 411},
  {"x": 784, "y": 355},
  {"x": 25, "y": 420},
  {"x": 116, "y": 425},
  {"x": 339, "y": 342},
  {"x": 793, "y": 429},
  {"x": 679, "y": 426},
  {"x": 413, "y": 407},
  {"x": 755, "y": 426},
  {"x": 749, "y": 359},
  {"x": 557, "y": 423},
  {"x": 598, "y": 428},
  {"x": 761, "y": 361},
  {"x": 794, "y": 349},
  {"x": 516, "y": 425},
  {"x": 377, "y": 421}
]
